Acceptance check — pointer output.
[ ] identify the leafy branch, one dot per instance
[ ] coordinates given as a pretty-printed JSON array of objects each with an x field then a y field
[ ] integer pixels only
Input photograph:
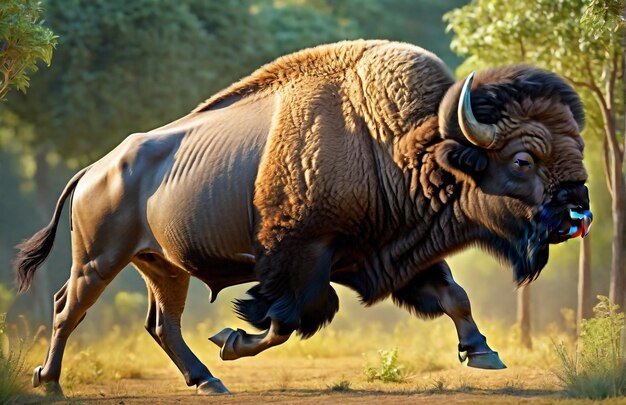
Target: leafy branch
[{"x": 24, "y": 40}]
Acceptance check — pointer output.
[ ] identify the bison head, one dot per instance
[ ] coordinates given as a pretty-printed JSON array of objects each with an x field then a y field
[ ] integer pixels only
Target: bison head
[{"x": 512, "y": 140}]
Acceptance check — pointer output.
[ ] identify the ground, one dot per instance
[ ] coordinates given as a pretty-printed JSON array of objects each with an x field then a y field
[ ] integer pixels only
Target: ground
[
  {"x": 317, "y": 381},
  {"x": 121, "y": 364}
]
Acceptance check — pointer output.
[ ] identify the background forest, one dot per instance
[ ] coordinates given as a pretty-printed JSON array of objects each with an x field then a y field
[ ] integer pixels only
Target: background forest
[{"x": 128, "y": 66}]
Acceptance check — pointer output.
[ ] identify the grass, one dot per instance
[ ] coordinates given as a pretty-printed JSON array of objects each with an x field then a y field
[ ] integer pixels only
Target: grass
[
  {"x": 12, "y": 357},
  {"x": 126, "y": 361},
  {"x": 388, "y": 370},
  {"x": 595, "y": 368},
  {"x": 438, "y": 386},
  {"x": 340, "y": 386}
]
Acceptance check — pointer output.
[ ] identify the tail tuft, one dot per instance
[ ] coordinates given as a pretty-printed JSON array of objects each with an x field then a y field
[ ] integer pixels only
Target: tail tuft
[{"x": 33, "y": 252}]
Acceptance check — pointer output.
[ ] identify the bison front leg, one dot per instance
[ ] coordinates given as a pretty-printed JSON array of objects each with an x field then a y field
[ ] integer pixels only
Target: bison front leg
[
  {"x": 294, "y": 295},
  {"x": 433, "y": 292}
]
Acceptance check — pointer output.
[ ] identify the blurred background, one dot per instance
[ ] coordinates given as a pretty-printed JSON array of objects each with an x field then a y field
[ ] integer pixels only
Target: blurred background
[{"x": 124, "y": 66}]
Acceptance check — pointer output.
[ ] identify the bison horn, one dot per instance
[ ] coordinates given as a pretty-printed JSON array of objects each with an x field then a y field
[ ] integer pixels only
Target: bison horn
[{"x": 479, "y": 134}]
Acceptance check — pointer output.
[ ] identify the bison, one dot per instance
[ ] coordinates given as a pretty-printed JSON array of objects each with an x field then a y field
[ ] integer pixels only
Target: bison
[{"x": 361, "y": 163}]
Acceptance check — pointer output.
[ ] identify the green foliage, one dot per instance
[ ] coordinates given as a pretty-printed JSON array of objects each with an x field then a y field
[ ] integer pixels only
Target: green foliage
[
  {"x": 12, "y": 356},
  {"x": 578, "y": 39},
  {"x": 288, "y": 33},
  {"x": 125, "y": 66},
  {"x": 388, "y": 369},
  {"x": 596, "y": 370},
  {"x": 6, "y": 298},
  {"x": 602, "y": 18},
  {"x": 565, "y": 36},
  {"x": 23, "y": 41},
  {"x": 416, "y": 22},
  {"x": 14, "y": 348},
  {"x": 129, "y": 305}
]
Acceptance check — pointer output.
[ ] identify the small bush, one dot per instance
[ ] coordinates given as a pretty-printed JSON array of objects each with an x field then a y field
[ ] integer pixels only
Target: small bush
[
  {"x": 595, "y": 370},
  {"x": 388, "y": 370},
  {"x": 11, "y": 364}
]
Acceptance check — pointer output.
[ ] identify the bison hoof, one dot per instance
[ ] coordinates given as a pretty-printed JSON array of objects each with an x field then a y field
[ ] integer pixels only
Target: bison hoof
[
  {"x": 220, "y": 338},
  {"x": 485, "y": 360},
  {"x": 211, "y": 386},
  {"x": 228, "y": 349},
  {"x": 51, "y": 388},
  {"x": 37, "y": 376}
]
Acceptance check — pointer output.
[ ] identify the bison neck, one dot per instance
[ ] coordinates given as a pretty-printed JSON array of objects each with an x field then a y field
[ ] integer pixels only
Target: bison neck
[{"x": 417, "y": 230}]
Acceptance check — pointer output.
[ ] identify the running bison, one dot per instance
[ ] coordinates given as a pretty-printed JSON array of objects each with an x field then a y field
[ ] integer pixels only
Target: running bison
[{"x": 361, "y": 163}]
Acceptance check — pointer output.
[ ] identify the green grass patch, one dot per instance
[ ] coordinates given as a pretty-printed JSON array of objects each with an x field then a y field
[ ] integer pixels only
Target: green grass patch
[
  {"x": 12, "y": 355},
  {"x": 388, "y": 369},
  {"x": 595, "y": 368}
]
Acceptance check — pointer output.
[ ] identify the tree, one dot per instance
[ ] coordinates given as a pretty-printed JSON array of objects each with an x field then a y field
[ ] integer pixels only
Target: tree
[
  {"x": 23, "y": 41},
  {"x": 417, "y": 22},
  {"x": 549, "y": 33},
  {"x": 127, "y": 66}
]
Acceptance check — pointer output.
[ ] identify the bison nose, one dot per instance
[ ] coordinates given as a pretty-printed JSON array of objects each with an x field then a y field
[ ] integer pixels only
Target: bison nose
[
  {"x": 570, "y": 209},
  {"x": 573, "y": 194}
]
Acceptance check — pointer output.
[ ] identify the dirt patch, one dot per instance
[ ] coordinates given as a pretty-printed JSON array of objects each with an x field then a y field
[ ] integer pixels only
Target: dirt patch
[{"x": 320, "y": 381}]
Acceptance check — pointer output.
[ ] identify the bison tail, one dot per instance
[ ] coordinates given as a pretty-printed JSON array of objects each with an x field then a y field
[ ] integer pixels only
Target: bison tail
[{"x": 33, "y": 252}]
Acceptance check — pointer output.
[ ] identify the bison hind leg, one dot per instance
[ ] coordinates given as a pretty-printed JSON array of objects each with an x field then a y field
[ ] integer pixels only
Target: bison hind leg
[{"x": 254, "y": 310}]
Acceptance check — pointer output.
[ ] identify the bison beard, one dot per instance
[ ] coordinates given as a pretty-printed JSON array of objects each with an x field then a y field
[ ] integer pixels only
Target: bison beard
[{"x": 361, "y": 163}]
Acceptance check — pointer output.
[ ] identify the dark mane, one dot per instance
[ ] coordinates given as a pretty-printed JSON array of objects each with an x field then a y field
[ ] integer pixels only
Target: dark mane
[
  {"x": 494, "y": 88},
  {"x": 498, "y": 86}
]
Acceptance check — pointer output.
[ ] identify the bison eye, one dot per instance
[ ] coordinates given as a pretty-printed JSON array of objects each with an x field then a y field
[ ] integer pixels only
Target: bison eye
[{"x": 522, "y": 162}]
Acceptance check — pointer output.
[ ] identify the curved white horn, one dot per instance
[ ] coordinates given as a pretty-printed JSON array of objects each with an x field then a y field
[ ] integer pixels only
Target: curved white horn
[{"x": 477, "y": 133}]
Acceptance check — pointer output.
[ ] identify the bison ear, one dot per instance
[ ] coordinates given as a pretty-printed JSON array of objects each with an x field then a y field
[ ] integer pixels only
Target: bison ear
[{"x": 464, "y": 162}]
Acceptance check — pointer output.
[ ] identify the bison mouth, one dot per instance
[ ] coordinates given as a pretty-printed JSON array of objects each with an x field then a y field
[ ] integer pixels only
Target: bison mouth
[
  {"x": 528, "y": 254},
  {"x": 569, "y": 223}
]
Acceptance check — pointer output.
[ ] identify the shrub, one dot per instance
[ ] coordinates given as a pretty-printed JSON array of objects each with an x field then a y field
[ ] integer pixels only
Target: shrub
[
  {"x": 11, "y": 363},
  {"x": 595, "y": 370},
  {"x": 388, "y": 370}
]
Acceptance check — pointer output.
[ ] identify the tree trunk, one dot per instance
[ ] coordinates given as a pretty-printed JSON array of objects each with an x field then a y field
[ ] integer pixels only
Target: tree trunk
[
  {"x": 618, "y": 281},
  {"x": 40, "y": 289},
  {"x": 624, "y": 98},
  {"x": 584, "y": 283},
  {"x": 523, "y": 315}
]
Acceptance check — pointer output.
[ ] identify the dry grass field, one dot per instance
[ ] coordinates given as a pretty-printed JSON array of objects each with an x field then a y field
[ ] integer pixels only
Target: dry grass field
[{"x": 127, "y": 367}]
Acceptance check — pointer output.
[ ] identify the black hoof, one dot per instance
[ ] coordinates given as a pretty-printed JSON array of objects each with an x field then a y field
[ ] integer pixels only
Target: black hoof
[
  {"x": 37, "y": 376},
  {"x": 487, "y": 361},
  {"x": 220, "y": 338},
  {"x": 51, "y": 388},
  {"x": 211, "y": 386},
  {"x": 228, "y": 349}
]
